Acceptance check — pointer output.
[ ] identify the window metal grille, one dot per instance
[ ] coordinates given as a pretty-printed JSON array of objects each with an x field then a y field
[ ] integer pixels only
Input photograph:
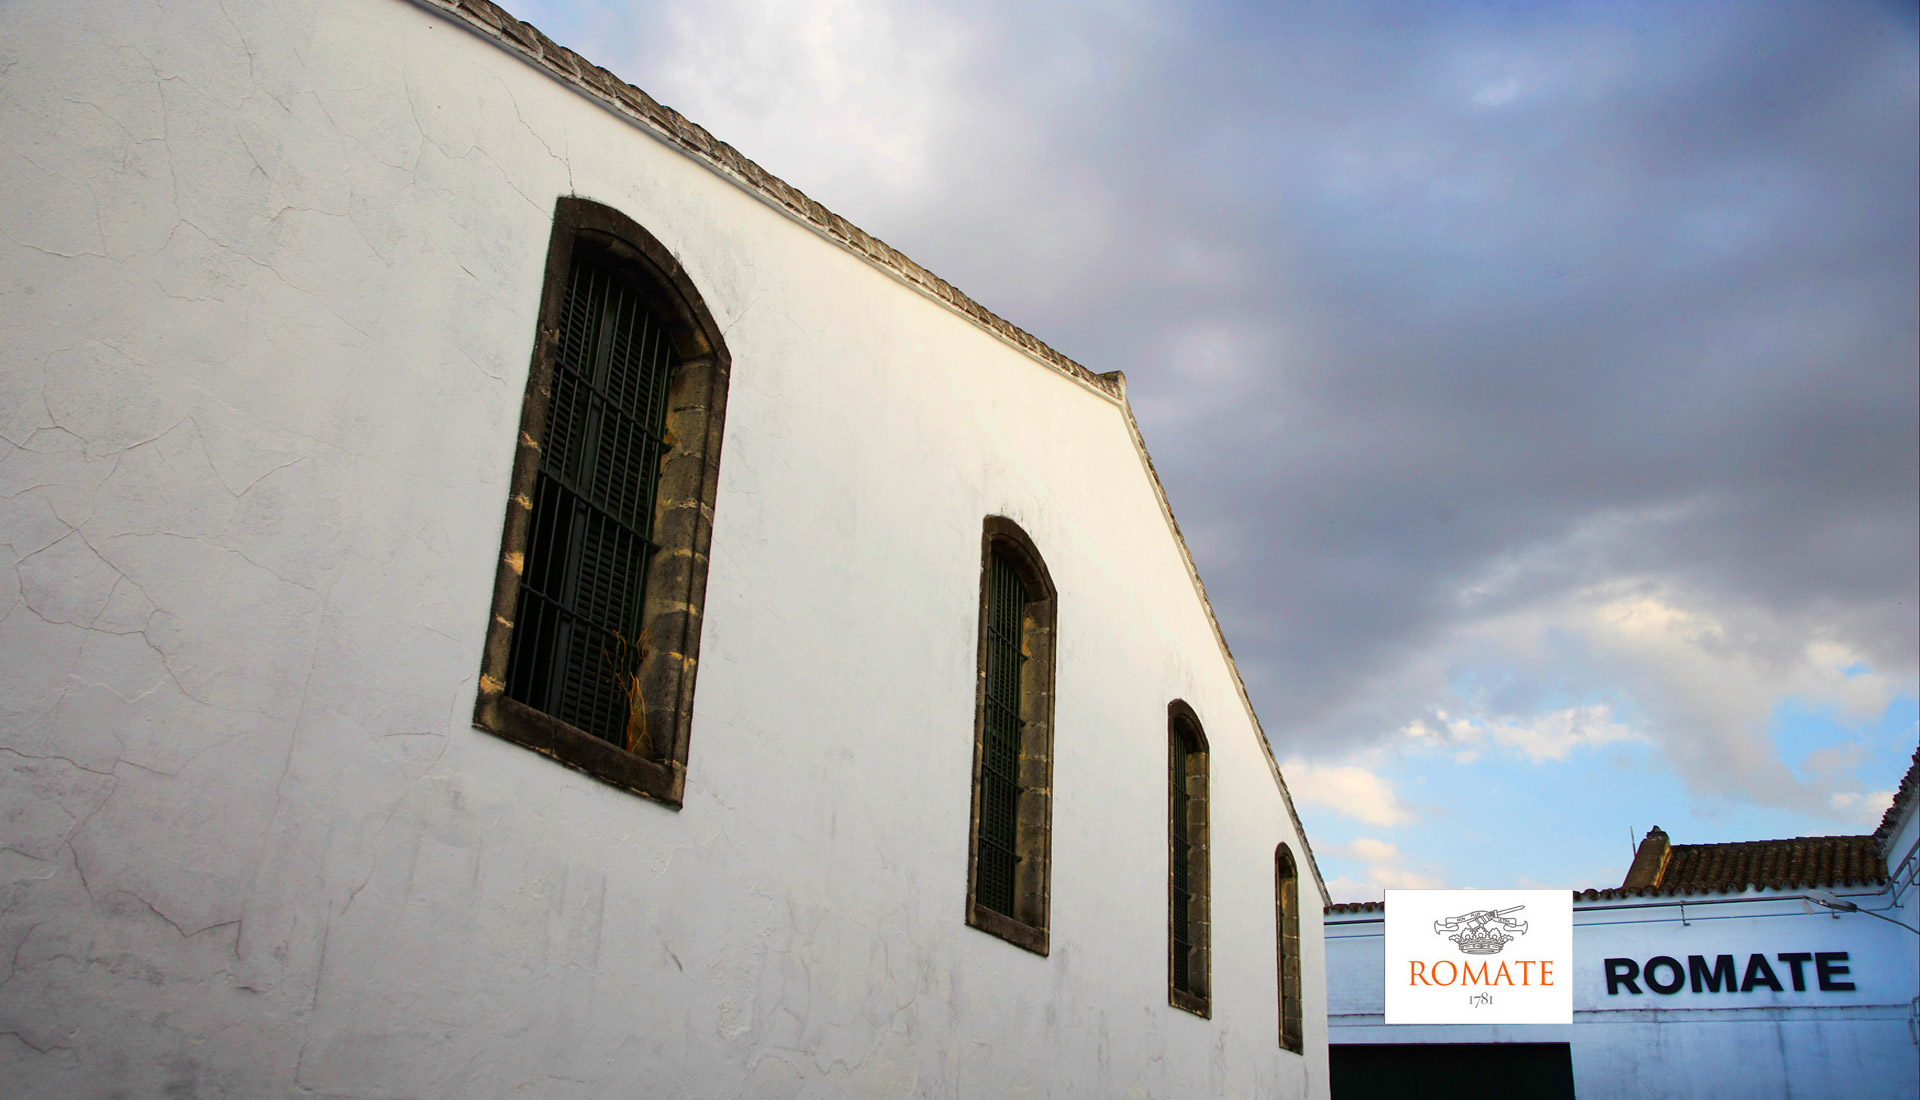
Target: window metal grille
[
  {"x": 1181, "y": 855},
  {"x": 1000, "y": 758},
  {"x": 576, "y": 646}
]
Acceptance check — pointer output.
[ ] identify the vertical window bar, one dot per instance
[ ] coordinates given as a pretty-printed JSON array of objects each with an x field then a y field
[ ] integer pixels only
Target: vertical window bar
[
  {"x": 1180, "y": 854},
  {"x": 997, "y": 859},
  {"x": 576, "y": 648}
]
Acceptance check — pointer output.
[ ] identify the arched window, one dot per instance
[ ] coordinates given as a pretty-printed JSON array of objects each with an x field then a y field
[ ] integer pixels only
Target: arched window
[
  {"x": 595, "y": 635},
  {"x": 1286, "y": 922},
  {"x": 1009, "y": 866},
  {"x": 1188, "y": 882}
]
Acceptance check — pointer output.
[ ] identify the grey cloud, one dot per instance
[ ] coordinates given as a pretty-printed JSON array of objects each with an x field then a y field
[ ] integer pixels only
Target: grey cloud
[
  {"x": 1659, "y": 294},
  {"x": 1408, "y": 294}
]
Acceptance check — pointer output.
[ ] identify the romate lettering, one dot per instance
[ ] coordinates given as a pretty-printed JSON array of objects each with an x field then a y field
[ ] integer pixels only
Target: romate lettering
[
  {"x": 1712, "y": 980},
  {"x": 1663, "y": 974},
  {"x": 1420, "y": 972},
  {"x": 1658, "y": 986},
  {"x": 1827, "y": 964},
  {"x": 1622, "y": 972},
  {"x": 1796, "y": 960},
  {"x": 1758, "y": 973}
]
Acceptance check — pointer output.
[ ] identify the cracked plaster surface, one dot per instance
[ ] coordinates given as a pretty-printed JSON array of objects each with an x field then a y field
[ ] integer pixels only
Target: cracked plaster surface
[{"x": 191, "y": 569}]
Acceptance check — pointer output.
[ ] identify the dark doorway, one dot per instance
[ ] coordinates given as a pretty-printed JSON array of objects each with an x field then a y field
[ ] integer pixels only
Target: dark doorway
[{"x": 1446, "y": 1071}]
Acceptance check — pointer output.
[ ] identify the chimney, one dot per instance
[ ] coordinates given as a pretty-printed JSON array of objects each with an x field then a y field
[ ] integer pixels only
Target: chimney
[{"x": 1649, "y": 860}]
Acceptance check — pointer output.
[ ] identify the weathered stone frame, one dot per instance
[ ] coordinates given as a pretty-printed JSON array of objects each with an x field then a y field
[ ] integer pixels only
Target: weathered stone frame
[
  {"x": 682, "y": 520},
  {"x": 1183, "y": 727},
  {"x": 1286, "y": 933},
  {"x": 1033, "y": 837}
]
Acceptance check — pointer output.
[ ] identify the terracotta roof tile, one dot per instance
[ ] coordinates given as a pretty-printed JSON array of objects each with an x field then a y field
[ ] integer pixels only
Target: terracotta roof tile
[
  {"x": 1902, "y": 804},
  {"x": 1797, "y": 863},
  {"x": 1776, "y": 864},
  {"x": 1357, "y": 907}
]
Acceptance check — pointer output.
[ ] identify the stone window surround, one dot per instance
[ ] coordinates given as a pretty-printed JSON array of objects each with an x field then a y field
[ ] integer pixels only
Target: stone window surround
[
  {"x": 1183, "y": 724},
  {"x": 682, "y": 521},
  {"x": 1033, "y": 838},
  {"x": 1286, "y": 921}
]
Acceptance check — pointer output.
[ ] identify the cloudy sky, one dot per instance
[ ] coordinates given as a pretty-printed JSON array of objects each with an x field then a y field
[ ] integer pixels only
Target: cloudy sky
[{"x": 1536, "y": 384}]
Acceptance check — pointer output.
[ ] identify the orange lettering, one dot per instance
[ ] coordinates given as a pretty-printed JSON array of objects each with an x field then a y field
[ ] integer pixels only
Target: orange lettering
[
  {"x": 1546, "y": 972},
  {"x": 1416, "y": 974},
  {"x": 1452, "y": 973},
  {"x": 1466, "y": 973},
  {"x": 1503, "y": 976},
  {"x": 1524, "y": 963}
]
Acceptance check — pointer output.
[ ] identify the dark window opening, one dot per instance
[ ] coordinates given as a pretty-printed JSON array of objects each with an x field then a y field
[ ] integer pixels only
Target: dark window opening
[
  {"x": 594, "y": 639},
  {"x": 1009, "y": 865},
  {"x": 1182, "y": 849},
  {"x": 1286, "y": 905},
  {"x": 1000, "y": 756},
  {"x": 1188, "y": 893},
  {"x": 576, "y": 653}
]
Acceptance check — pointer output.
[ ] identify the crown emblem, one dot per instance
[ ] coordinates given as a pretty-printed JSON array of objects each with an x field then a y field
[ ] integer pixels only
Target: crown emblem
[
  {"x": 1481, "y": 943},
  {"x": 1483, "y": 931}
]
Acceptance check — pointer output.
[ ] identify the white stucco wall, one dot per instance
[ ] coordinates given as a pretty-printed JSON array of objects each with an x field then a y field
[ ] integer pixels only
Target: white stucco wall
[
  {"x": 1811, "y": 1045},
  {"x": 268, "y": 277}
]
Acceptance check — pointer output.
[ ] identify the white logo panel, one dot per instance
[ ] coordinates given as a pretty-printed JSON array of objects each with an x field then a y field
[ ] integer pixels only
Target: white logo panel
[{"x": 1479, "y": 956}]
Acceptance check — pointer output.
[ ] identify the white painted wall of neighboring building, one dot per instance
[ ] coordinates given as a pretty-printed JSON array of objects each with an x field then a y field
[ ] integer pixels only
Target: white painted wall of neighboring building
[
  {"x": 269, "y": 273},
  {"x": 1810, "y": 1045}
]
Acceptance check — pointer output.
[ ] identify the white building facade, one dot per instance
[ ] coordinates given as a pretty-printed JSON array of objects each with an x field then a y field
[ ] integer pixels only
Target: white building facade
[
  {"x": 285, "y": 288},
  {"x": 1796, "y": 973}
]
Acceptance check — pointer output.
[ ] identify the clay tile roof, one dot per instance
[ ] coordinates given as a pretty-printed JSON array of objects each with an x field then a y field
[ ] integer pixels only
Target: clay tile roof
[
  {"x": 1798, "y": 863},
  {"x": 1805, "y": 861},
  {"x": 1903, "y": 800},
  {"x": 1357, "y": 907}
]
